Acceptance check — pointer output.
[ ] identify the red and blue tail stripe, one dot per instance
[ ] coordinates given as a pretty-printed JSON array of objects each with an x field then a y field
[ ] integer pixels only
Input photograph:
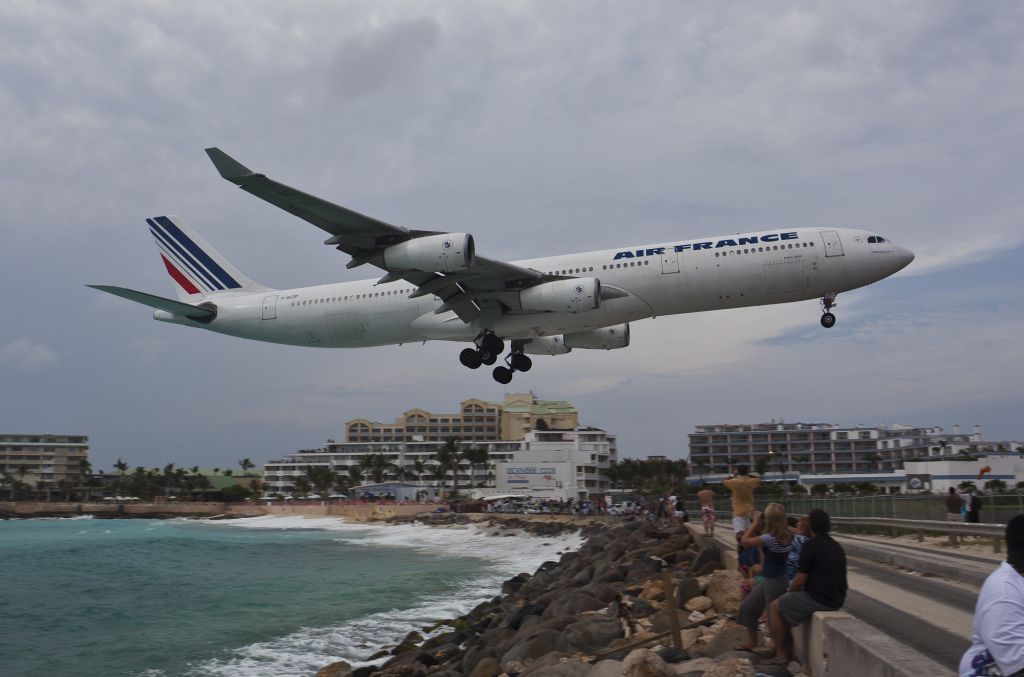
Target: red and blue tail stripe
[{"x": 191, "y": 267}]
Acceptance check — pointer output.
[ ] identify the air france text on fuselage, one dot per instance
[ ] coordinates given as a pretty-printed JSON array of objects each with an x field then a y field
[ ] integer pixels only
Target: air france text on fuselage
[{"x": 696, "y": 246}]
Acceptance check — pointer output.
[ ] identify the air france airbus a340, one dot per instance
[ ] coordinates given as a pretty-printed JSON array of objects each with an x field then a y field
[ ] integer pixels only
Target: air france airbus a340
[{"x": 436, "y": 287}]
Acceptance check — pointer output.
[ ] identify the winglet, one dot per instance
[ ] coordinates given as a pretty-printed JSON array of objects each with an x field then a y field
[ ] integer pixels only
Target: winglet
[{"x": 228, "y": 167}]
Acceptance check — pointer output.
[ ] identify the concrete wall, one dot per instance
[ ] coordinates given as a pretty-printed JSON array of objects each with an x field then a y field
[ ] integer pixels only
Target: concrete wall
[{"x": 835, "y": 644}]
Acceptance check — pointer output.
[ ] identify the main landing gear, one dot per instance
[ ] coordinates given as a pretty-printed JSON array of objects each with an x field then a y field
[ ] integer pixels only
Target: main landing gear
[
  {"x": 828, "y": 301},
  {"x": 488, "y": 347}
]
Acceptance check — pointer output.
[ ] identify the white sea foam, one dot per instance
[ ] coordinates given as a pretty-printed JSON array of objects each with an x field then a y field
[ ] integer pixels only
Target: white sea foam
[{"x": 305, "y": 651}]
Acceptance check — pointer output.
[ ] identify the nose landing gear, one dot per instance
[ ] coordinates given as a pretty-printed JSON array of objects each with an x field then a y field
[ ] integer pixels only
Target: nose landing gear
[{"x": 828, "y": 301}]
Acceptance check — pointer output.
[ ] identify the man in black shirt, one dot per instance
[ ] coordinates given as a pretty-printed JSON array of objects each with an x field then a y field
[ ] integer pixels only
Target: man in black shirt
[{"x": 819, "y": 585}]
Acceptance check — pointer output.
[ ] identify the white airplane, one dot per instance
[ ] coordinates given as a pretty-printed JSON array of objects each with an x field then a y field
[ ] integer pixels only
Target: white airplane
[{"x": 436, "y": 287}]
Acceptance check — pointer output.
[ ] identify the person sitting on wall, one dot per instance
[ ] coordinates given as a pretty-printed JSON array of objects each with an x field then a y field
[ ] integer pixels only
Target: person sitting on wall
[
  {"x": 997, "y": 632},
  {"x": 819, "y": 585}
]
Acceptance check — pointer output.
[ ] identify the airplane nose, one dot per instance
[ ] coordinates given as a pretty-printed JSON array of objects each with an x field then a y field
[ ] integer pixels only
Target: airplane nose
[{"x": 906, "y": 256}]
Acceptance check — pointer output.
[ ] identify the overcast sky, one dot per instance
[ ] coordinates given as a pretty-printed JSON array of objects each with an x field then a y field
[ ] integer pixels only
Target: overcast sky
[{"x": 541, "y": 128}]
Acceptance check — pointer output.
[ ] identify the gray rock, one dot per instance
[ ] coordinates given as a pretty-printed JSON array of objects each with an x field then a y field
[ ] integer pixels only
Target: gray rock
[
  {"x": 475, "y": 654},
  {"x": 687, "y": 588},
  {"x": 486, "y": 667},
  {"x": 556, "y": 664},
  {"x": 516, "y": 619},
  {"x": 533, "y": 647},
  {"x": 574, "y": 603},
  {"x": 338, "y": 669},
  {"x": 671, "y": 654},
  {"x": 710, "y": 553},
  {"x": 729, "y": 638},
  {"x": 602, "y": 591},
  {"x": 607, "y": 668},
  {"x": 515, "y": 583},
  {"x": 724, "y": 591},
  {"x": 590, "y": 635},
  {"x": 645, "y": 663}
]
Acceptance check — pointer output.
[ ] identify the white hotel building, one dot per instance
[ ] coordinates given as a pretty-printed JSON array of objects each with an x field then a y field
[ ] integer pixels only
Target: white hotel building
[{"x": 557, "y": 464}]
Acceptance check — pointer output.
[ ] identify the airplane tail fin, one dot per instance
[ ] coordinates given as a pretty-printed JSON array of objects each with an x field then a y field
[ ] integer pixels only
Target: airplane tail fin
[{"x": 197, "y": 269}]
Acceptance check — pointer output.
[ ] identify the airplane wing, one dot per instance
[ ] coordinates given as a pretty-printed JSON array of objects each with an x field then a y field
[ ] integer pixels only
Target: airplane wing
[
  {"x": 197, "y": 313},
  {"x": 364, "y": 238}
]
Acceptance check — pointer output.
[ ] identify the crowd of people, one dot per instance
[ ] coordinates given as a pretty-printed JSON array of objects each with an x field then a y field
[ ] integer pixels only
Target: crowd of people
[{"x": 792, "y": 568}]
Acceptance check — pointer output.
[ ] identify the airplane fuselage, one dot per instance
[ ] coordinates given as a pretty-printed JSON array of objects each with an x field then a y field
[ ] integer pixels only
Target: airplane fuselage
[{"x": 750, "y": 269}]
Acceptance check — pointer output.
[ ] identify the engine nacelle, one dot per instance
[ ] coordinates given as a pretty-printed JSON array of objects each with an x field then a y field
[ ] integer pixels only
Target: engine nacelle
[
  {"x": 563, "y": 296},
  {"x": 444, "y": 253},
  {"x": 605, "y": 338},
  {"x": 546, "y": 345}
]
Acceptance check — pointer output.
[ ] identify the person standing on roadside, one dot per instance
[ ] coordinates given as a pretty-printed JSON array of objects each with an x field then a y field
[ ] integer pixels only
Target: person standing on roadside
[
  {"x": 954, "y": 506},
  {"x": 707, "y": 508},
  {"x": 974, "y": 508},
  {"x": 997, "y": 632},
  {"x": 742, "y": 486}
]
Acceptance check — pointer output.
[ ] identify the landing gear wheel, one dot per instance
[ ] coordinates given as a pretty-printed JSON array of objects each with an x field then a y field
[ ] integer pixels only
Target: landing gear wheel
[
  {"x": 487, "y": 357},
  {"x": 470, "y": 357},
  {"x": 502, "y": 375},
  {"x": 492, "y": 344},
  {"x": 521, "y": 362},
  {"x": 828, "y": 320}
]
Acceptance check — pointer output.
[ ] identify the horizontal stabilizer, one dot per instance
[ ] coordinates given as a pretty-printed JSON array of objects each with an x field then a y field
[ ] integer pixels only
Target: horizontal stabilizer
[{"x": 160, "y": 303}]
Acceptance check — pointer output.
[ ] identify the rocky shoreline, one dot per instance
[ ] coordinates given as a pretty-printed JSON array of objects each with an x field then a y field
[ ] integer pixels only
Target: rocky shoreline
[{"x": 600, "y": 611}]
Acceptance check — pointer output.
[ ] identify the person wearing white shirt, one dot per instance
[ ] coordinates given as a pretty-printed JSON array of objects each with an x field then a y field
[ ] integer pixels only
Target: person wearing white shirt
[{"x": 997, "y": 633}]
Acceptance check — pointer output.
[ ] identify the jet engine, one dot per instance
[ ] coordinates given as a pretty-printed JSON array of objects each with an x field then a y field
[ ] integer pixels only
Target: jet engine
[
  {"x": 605, "y": 338},
  {"x": 563, "y": 296},
  {"x": 546, "y": 345},
  {"x": 444, "y": 253}
]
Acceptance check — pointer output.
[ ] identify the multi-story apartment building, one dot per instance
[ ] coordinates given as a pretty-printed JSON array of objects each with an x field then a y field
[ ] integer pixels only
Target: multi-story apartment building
[
  {"x": 279, "y": 475},
  {"x": 823, "y": 448},
  {"x": 45, "y": 458},
  {"x": 476, "y": 420}
]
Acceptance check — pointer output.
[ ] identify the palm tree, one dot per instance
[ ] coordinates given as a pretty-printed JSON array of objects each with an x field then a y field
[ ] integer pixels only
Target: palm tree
[
  {"x": 377, "y": 465},
  {"x": 65, "y": 486},
  {"x": 448, "y": 456},
  {"x": 322, "y": 478},
  {"x": 995, "y": 485},
  {"x": 876, "y": 459},
  {"x": 302, "y": 486},
  {"x": 246, "y": 465},
  {"x": 355, "y": 475},
  {"x": 477, "y": 456}
]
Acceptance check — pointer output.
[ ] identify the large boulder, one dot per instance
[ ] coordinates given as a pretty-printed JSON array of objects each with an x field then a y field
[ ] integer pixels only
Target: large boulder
[
  {"x": 515, "y": 583},
  {"x": 534, "y": 647},
  {"x": 645, "y": 663},
  {"x": 698, "y": 604},
  {"x": 574, "y": 603},
  {"x": 607, "y": 668},
  {"x": 687, "y": 588},
  {"x": 724, "y": 591},
  {"x": 727, "y": 638},
  {"x": 708, "y": 559},
  {"x": 338, "y": 669},
  {"x": 486, "y": 667},
  {"x": 590, "y": 635}
]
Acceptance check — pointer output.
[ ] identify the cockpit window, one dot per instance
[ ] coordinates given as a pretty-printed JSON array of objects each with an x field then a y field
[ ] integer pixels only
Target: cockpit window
[{"x": 874, "y": 239}]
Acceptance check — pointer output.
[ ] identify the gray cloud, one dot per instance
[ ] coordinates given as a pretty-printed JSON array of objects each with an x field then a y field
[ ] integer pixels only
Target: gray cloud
[{"x": 539, "y": 127}]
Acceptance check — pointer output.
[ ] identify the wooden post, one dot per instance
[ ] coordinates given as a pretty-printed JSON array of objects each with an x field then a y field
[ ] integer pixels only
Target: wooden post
[{"x": 669, "y": 586}]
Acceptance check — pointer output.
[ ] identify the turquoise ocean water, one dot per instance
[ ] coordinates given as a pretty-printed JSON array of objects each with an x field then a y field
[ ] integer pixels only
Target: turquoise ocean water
[{"x": 251, "y": 598}]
